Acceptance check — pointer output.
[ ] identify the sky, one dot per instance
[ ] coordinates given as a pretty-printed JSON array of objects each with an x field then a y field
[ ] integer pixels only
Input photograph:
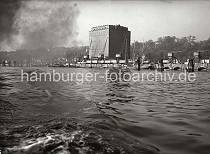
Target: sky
[
  {"x": 146, "y": 19},
  {"x": 49, "y": 23}
]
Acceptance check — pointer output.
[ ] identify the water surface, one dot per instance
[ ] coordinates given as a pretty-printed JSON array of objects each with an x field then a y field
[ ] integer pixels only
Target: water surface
[{"x": 103, "y": 117}]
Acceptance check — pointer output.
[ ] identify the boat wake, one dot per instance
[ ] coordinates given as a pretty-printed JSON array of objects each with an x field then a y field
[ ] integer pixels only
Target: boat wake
[{"x": 70, "y": 137}]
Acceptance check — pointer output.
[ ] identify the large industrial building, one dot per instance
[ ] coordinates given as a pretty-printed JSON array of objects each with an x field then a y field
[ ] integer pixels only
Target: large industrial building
[{"x": 109, "y": 41}]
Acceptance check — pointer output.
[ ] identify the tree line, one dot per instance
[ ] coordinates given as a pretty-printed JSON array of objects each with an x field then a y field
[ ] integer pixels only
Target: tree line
[{"x": 183, "y": 48}]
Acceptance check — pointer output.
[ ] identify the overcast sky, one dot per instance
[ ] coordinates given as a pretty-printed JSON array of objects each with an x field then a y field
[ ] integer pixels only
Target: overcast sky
[{"x": 147, "y": 20}]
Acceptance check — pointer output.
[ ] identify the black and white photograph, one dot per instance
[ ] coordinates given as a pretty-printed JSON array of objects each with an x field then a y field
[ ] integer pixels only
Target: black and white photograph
[{"x": 104, "y": 77}]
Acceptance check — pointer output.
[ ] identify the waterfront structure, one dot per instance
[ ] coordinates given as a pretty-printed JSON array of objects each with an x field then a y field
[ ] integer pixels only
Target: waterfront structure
[{"x": 109, "y": 41}]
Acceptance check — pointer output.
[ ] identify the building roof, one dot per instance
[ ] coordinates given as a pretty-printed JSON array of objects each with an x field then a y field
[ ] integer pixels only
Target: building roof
[{"x": 107, "y": 27}]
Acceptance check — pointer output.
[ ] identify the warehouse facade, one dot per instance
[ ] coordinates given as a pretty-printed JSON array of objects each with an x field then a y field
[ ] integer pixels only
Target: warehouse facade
[{"x": 109, "y": 40}]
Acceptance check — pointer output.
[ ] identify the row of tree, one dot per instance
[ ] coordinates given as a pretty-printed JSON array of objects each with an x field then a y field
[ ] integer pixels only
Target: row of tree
[
  {"x": 46, "y": 56},
  {"x": 182, "y": 48}
]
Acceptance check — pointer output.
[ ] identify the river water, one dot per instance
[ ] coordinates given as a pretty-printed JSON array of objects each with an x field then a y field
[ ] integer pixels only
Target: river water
[{"x": 103, "y": 117}]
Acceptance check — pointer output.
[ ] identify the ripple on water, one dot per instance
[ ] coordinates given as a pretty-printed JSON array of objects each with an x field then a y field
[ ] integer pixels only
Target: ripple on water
[{"x": 110, "y": 117}]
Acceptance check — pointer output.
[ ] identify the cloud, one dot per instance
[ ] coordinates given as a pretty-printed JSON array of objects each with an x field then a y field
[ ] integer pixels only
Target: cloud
[{"x": 42, "y": 24}]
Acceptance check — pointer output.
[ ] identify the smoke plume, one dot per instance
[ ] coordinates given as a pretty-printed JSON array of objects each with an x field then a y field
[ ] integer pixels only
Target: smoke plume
[
  {"x": 41, "y": 24},
  {"x": 8, "y": 10}
]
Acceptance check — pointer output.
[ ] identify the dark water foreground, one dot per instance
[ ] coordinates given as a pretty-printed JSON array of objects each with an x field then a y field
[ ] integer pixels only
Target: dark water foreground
[{"x": 103, "y": 117}]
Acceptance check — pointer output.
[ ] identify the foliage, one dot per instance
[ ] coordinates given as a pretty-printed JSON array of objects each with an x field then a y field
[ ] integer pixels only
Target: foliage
[{"x": 182, "y": 48}]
